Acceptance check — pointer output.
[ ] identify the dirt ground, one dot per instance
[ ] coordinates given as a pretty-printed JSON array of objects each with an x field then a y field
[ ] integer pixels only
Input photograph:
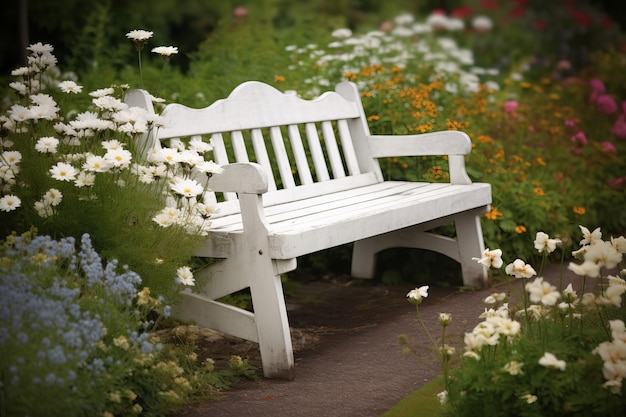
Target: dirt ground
[{"x": 349, "y": 361}]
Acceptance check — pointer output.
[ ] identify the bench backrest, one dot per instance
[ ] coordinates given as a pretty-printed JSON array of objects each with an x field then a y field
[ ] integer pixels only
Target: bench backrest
[{"x": 307, "y": 147}]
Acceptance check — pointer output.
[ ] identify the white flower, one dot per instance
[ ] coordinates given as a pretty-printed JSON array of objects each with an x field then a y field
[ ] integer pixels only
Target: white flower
[
  {"x": 443, "y": 397},
  {"x": 513, "y": 368},
  {"x": 543, "y": 292},
  {"x": 11, "y": 158},
  {"x": 590, "y": 238},
  {"x": 186, "y": 187},
  {"x": 63, "y": 172},
  {"x": 43, "y": 210},
  {"x": 604, "y": 254},
  {"x": 198, "y": 145},
  {"x": 341, "y": 33},
  {"x": 165, "y": 50},
  {"x": 519, "y": 269},
  {"x": 10, "y": 203},
  {"x": 586, "y": 269},
  {"x": 482, "y": 23},
  {"x": 102, "y": 92},
  {"x": 543, "y": 243},
  {"x": 85, "y": 179},
  {"x": 47, "y": 144},
  {"x": 96, "y": 163},
  {"x": 119, "y": 158},
  {"x": 53, "y": 197},
  {"x": 619, "y": 243},
  {"x": 529, "y": 398},
  {"x": 491, "y": 259},
  {"x": 550, "y": 361},
  {"x": 109, "y": 103},
  {"x": 209, "y": 168},
  {"x": 139, "y": 35},
  {"x": 185, "y": 276},
  {"x": 70, "y": 87},
  {"x": 40, "y": 48},
  {"x": 415, "y": 296}
]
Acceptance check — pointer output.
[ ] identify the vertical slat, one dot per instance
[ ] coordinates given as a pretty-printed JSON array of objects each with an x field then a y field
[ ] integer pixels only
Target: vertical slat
[
  {"x": 333, "y": 150},
  {"x": 260, "y": 151},
  {"x": 317, "y": 155},
  {"x": 304, "y": 172},
  {"x": 219, "y": 150},
  {"x": 282, "y": 160},
  {"x": 239, "y": 146},
  {"x": 221, "y": 158},
  {"x": 348, "y": 148}
]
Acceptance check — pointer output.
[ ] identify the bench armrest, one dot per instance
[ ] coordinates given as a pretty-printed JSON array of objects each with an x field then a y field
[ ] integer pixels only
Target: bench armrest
[
  {"x": 453, "y": 143},
  {"x": 245, "y": 178}
]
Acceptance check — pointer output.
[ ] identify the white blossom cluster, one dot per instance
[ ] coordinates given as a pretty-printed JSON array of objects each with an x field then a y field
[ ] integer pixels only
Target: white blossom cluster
[
  {"x": 405, "y": 42},
  {"x": 104, "y": 139},
  {"x": 545, "y": 299}
]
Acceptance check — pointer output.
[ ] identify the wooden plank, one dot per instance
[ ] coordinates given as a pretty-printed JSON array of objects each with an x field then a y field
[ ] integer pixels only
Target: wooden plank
[
  {"x": 348, "y": 147},
  {"x": 281, "y": 157},
  {"x": 332, "y": 150},
  {"x": 317, "y": 155},
  {"x": 260, "y": 151},
  {"x": 239, "y": 146},
  {"x": 302, "y": 163}
]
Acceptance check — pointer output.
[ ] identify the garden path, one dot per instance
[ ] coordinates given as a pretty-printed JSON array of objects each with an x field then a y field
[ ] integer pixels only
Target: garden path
[{"x": 348, "y": 358}]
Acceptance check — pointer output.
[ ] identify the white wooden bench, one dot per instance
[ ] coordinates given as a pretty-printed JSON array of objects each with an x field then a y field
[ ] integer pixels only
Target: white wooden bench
[{"x": 315, "y": 183}]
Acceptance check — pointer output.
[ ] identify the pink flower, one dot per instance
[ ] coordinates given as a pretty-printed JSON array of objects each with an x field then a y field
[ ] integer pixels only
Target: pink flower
[
  {"x": 624, "y": 107},
  {"x": 570, "y": 122},
  {"x": 510, "y": 106},
  {"x": 240, "y": 11},
  {"x": 606, "y": 103},
  {"x": 617, "y": 181},
  {"x": 580, "y": 137},
  {"x": 619, "y": 127},
  {"x": 609, "y": 147},
  {"x": 597, "y": 85}
]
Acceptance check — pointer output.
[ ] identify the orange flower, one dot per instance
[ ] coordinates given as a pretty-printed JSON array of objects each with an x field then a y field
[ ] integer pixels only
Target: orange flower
[
  {"x": 538, "y": 191},
  {"x": 279, "y": 78},
  {"x": 520, "y": 229},
  {"x": 493, "y": 214},
  {"x": 373, "y": 117},
  {"x": 579, "y": 210}
]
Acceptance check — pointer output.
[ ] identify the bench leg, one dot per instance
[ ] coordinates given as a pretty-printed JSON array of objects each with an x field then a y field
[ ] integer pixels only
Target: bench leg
[
  {"x": 467, "y": 245},
  {"x": 471, "y": 245},
  {"x": 268, "y": 324}
]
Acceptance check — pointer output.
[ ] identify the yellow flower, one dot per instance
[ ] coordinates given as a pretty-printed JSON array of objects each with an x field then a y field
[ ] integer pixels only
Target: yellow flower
[{"x": 579, "y": 210}]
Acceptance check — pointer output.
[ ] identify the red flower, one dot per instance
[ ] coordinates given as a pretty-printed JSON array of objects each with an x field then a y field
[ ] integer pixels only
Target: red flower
[
  {"x": 517, "y": 12},
  {"x": 461, "y": 12},
  {"x": 540, "y": 25},
  {"x": 617, "y": 181},
  {"x": 489, "y": 4},
  {"x": 581, "y": 17}
]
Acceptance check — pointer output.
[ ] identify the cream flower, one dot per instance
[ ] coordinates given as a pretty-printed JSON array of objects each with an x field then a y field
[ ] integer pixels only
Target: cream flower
[
  {"x": 550, "y": 361},
  {"x": 543, "y": 292},
  {"x": 590, "y": 238},
  {"x": 513, "y": 368},
  {"x": 519, "y": 269},
  {"x": 416, "y": 295},
  {"x": 543, "y": 243},
  {"x": 491, "y": 258}
]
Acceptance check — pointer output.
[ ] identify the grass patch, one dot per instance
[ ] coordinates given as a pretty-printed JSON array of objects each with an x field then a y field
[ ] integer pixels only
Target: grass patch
[{"x": 421, "y": 402}]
